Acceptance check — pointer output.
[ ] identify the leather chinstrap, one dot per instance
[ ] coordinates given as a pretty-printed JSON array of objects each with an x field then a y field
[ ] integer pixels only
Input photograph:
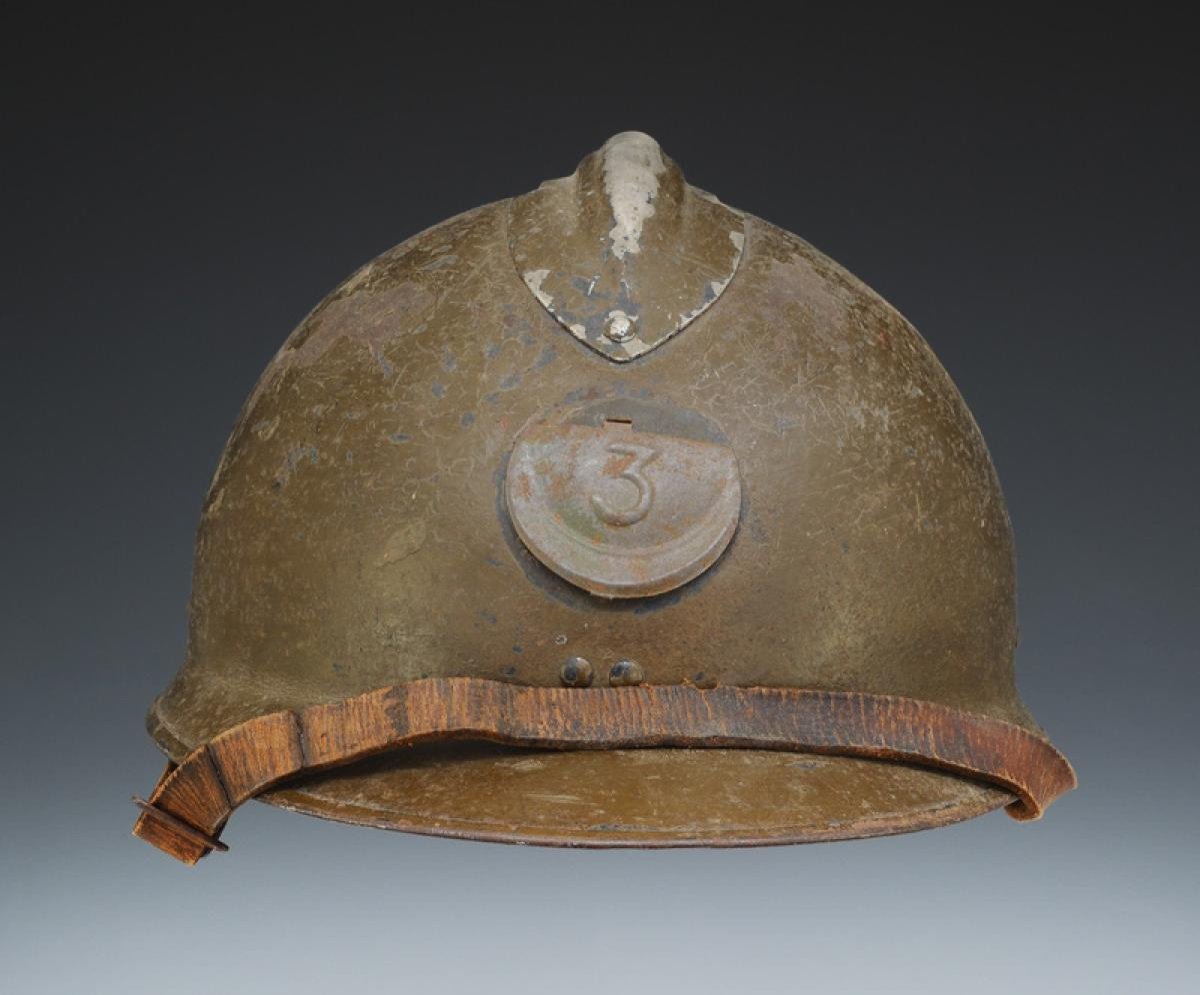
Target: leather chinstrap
[{"x": 190, "y": 804}]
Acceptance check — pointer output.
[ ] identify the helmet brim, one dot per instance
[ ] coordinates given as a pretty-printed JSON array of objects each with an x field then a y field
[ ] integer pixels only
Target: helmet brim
[
  {"x": 637, "y": 798},
  {"x": 629, "y": 798}
]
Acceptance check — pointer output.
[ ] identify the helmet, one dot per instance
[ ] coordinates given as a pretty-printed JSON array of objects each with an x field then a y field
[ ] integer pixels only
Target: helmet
[{"x": 606, "y": 515}]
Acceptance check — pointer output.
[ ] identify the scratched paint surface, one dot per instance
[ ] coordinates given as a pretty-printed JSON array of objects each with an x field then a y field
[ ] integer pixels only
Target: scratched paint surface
[
  {"x": 624, "y": 254},
  {"x": 355, "y": 534}
]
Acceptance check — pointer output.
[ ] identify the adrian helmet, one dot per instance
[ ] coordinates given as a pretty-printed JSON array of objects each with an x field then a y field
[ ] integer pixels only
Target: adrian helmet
[{"x": 607, "y": 515}]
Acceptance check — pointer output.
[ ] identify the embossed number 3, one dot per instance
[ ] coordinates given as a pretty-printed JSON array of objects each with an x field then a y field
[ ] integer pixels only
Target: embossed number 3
[{"x": 643, "y": 455}]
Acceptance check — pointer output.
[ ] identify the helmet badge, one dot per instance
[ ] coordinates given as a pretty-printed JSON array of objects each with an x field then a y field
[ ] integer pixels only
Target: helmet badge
[{"x": 624, "y": 500}]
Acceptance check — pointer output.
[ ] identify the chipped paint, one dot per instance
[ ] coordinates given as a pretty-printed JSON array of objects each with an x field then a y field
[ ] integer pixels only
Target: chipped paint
[
  {"x": 715, "y": 289},
  {"x": 266, "y": 428},
  {"x": 296, "y": 457},
  {"x": 633, "y": 163},
  {"x": 626, "y": 279},
  {"x": 527, "y": 763},
  {"x": 403, "y": 542},
  {"x": 533, "y": 280}
]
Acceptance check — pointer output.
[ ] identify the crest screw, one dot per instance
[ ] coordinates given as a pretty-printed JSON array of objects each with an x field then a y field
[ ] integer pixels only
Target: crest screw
[{"x": 618, "y": 326}]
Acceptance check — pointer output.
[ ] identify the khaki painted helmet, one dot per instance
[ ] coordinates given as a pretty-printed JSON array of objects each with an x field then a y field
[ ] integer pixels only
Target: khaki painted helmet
[{"x": 607, "y": 515}]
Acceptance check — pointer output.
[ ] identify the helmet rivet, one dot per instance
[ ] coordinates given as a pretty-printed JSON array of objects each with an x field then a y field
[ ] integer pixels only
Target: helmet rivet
[
  {"x": 618, "y": 326},
  {"x": 625, "y": 673},
  {"x": 576, "y": 673}
]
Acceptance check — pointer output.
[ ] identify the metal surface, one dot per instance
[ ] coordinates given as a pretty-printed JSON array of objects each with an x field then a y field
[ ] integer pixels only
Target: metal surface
[
  {"x": 356, "y": 535},
  {"x": 599, "y": 248},
  {"x": 577, "y": 673},
  {"x": 639, "y": 798},
  {"x": 626, "y": 673},
  {"x": 618, "y": 511}
]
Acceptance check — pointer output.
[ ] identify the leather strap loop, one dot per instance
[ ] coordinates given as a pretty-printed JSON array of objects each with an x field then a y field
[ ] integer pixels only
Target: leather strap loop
[{"x": 192, "y": 801}]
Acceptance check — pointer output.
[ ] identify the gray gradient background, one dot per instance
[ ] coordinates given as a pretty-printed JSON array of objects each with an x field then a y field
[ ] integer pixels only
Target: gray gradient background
[{"x": 178, "y": 193}]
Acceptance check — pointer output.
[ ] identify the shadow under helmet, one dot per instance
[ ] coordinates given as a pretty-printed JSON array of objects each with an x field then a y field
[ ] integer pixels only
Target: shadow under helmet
[{"x": 606, "y": 515}]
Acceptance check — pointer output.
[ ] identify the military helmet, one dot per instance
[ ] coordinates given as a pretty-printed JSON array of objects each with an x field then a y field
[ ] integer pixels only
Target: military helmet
[{"x": 605, "y": 515}]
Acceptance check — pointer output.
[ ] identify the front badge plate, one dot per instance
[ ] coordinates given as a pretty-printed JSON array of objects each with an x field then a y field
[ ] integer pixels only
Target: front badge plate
[{"x": 620, "y": 510}]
